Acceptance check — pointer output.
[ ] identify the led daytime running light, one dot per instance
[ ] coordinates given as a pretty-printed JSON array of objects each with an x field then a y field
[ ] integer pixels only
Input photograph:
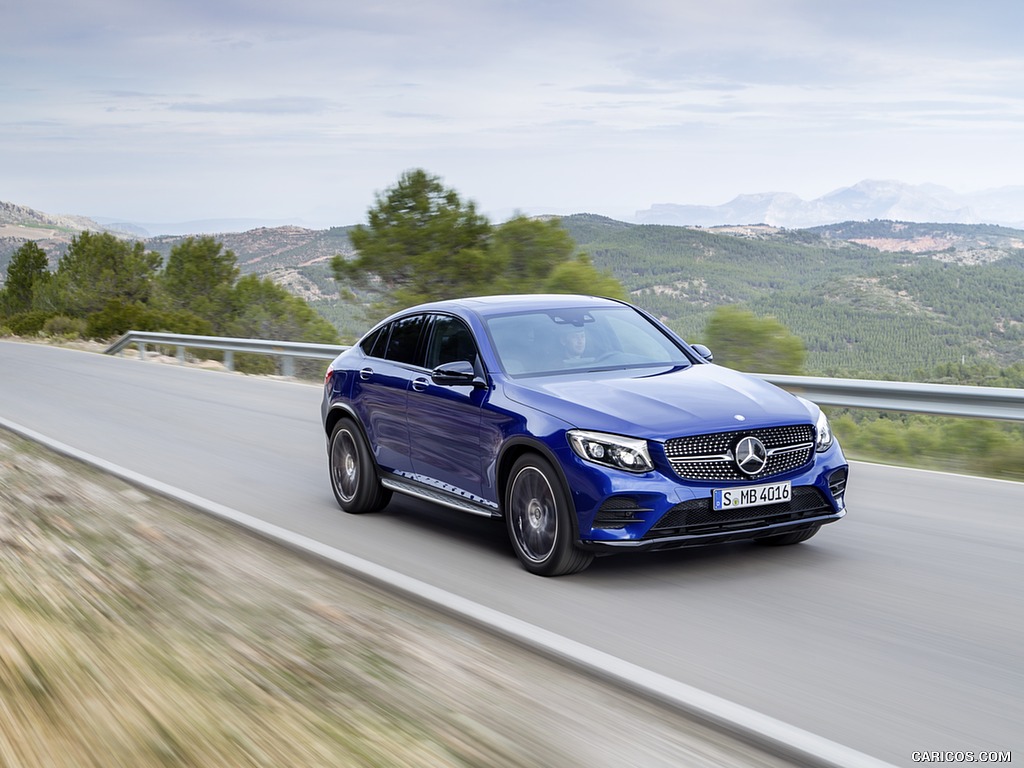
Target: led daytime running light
[
  {"x": 615, "y": 451},
  {"x": 825, "y": 439}
]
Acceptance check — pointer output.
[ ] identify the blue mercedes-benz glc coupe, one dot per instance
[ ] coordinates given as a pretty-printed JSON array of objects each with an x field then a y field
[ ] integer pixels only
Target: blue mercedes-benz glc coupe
[{"x": 585, "y": 423}]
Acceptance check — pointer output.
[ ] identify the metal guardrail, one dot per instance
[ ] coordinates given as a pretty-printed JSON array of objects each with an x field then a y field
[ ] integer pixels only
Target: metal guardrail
[
  {"x": 942, "y": 399},
  {"x": 285, "y": 351}
]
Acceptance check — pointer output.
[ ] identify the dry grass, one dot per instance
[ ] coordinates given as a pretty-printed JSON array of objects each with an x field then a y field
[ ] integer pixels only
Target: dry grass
[
  {"x": 135, "y": 632},
  {"x": 134, "y": 635}
]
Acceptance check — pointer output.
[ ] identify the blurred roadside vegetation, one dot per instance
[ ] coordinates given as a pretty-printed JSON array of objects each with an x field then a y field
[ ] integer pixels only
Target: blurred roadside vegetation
[
  {"x": 423, "y": 242},
  {"x": 962, "y": 445},
  {"x": 105, "y": 286},
  {"x": 137, "y": 633}
]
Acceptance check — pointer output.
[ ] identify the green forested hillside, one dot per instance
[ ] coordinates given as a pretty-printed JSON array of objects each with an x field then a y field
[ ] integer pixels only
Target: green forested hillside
[
  {"x": 874, "y": 299},
  {"x": 860, "y": 311},
  {"x": 263, "y": 250}
]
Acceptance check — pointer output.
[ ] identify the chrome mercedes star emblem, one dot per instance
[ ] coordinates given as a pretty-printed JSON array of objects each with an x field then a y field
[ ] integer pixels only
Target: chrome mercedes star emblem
[{"x": 751, "y": 455}]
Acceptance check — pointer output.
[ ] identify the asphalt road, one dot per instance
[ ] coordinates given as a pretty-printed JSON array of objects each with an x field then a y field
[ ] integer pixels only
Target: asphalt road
[{"x": 896, "y": 630}]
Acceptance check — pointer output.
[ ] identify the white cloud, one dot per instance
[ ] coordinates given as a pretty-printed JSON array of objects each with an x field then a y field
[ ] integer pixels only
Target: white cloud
[{"x": 182, "y": 110}]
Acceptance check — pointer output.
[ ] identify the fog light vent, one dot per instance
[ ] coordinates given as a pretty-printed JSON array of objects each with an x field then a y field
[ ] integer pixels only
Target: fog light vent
[
  {"x": 837, "y": 482},
  {"x": 617, "y": 512}
]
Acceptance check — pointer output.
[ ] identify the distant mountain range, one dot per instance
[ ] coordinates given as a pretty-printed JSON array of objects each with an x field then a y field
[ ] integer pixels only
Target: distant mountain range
[
  {"x": 143, "y": 229},
  {"x": 863, "y": 201}
]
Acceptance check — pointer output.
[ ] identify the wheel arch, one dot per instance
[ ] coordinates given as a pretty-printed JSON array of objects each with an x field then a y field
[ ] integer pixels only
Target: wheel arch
[
  {"x": 366, "y": 494},
  {"x": 510, "y": 453},
  {"x": 337, "y": 412}
]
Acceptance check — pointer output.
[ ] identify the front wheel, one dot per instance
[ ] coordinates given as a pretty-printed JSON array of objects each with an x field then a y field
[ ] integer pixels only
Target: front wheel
[
  {"x": 353, "y": 473},
  {"x": 537, "y": 513}
]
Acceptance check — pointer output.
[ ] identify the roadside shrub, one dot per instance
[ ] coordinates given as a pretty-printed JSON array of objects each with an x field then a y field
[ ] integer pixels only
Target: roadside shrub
[
  {"x": 1008, "y": 463},
  {"x": 64, "y": 327},
  {"x": 257, "y": 365},
  {"x": 116, "y": 318},
  {"x": 119, "y": 317},
  {"x": 28, "y": 323},
  {"x": 183, "y": 321}
]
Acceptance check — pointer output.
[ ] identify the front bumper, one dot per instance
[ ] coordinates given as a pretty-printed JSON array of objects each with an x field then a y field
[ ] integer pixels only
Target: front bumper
[
  {"x": 619, "y": 511},
  {"x": 755, "y": 531}
]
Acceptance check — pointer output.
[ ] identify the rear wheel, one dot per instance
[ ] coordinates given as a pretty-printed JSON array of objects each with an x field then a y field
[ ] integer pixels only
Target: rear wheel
[
  {"x": 537, "y": 513},
  {"x": 785, "y": 539},
  {"x": 353, "y": 473}
]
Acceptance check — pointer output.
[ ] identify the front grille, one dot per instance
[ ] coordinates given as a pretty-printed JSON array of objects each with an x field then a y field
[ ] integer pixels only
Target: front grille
[
  {"x": 710, "y": 457},
  {"x": 697, "y": 517}
]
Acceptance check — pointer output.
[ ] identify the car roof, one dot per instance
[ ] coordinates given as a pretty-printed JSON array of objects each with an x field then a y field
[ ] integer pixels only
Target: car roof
[{"x": 494, "y": 305}]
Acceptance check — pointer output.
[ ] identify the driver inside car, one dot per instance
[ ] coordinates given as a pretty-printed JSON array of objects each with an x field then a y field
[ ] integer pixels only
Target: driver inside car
[{"x": 574, "y": 344}]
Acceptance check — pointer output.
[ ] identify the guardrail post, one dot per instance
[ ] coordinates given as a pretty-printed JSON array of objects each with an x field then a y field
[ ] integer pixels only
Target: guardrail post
[
  {"x": 142, "y": 350},
  {"x": 181, "y": 355},
  {"x": 287, "y": 365},
  {"x": 229, "y": 359}
]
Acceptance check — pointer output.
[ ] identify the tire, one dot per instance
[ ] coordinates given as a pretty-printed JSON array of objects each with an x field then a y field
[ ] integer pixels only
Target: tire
[
  {"x": 786, "y": 539},
  {"x": 537, "y": 513},
  {"x": 353, "y": 472}
]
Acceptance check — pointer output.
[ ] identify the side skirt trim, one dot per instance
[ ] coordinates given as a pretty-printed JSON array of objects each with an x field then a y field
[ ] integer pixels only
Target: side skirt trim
[{"x": 412, "y": 488}]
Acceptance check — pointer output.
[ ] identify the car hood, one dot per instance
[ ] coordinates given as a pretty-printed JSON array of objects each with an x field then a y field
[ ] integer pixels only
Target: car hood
[{"x": 662, "y": 404}]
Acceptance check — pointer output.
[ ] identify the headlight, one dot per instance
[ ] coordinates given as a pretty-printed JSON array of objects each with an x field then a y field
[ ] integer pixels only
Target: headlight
[
  {"x": 824, "y": 441},
  {"x": 625, "y": 453}
]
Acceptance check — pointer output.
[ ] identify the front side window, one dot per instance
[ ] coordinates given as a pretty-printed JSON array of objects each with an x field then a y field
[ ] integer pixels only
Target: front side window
[{"x": 450, "y": 341}]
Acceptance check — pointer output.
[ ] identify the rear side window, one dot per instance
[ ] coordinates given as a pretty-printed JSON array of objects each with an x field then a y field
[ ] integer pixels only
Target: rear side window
[
  {"x": 404, "y": 341},
  {"x": 374, "y": 344}
]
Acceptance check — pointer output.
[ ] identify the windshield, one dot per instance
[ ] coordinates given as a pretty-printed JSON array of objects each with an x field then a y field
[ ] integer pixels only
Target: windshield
[{"x": 563, "y": 340}]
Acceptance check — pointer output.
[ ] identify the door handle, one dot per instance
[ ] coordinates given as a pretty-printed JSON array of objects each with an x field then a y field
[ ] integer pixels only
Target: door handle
[
  {"x": 366, "y": 373},
  {"x": 420, "y": 384}
]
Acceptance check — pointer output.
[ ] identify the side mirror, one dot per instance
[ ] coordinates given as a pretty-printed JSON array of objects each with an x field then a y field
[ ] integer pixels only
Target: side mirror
[
  {"x": 459, "y": 373},
  {"x": 704, "y": 352}
]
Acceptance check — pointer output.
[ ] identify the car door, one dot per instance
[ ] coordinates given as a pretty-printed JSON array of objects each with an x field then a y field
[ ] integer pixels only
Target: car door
[
  {"x": 381, "y": 391},
  {"x": 444, "y": 421}
]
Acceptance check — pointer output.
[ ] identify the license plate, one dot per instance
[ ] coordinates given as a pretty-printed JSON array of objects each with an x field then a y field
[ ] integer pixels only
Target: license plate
[{"x": 750, "y": 496}]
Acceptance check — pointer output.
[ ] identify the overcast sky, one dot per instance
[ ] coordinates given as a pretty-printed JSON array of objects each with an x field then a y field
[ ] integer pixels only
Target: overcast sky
[{"x": 173, "y": 110}]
